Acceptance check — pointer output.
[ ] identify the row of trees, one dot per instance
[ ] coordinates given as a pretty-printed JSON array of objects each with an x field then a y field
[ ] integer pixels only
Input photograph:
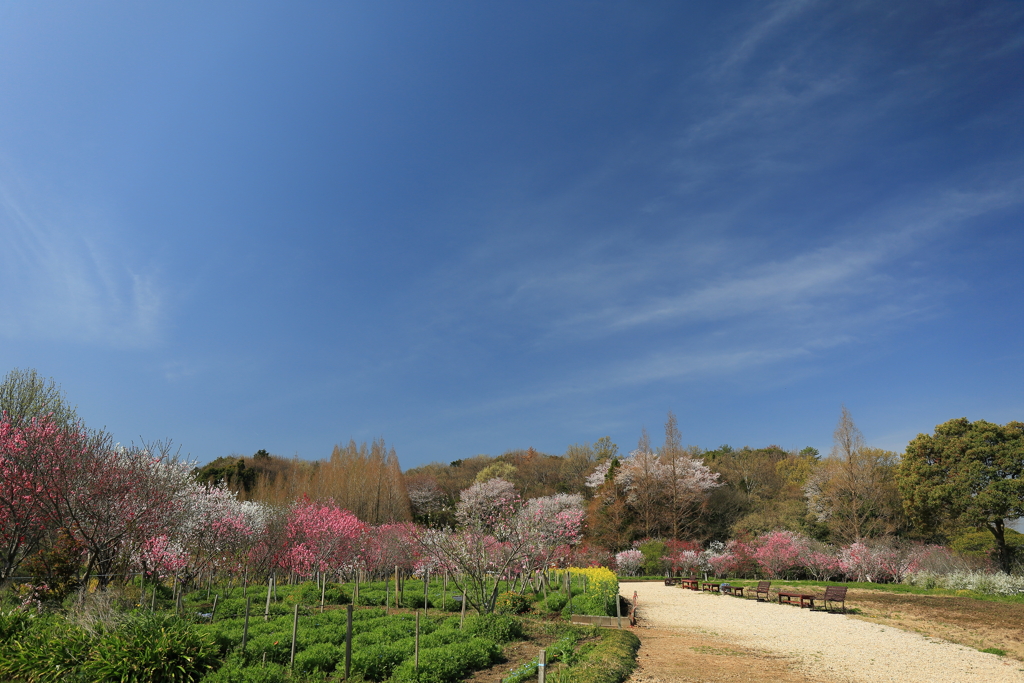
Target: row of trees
[
  {"x": 74, "y": 503},
  {"x": 67, "y": 492},
  {"x": 676, "y": 492}
]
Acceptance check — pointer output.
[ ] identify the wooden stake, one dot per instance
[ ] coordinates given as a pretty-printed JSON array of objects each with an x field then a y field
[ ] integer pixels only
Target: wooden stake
[
  {"x": 245, "y": 626},
  {"x": 542, "y": 665},
  {"x": 213, "y": 612},
  {"x": 270, "y": 587},
  {"x": 416, "y": 655},
  {"x": 348, "y": 641},
  {"x": 295, "y": 631}
]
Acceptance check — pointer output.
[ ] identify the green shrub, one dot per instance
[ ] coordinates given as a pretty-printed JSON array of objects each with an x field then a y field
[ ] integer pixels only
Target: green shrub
[
  {"x": 234, "y": 673},
  {"x": 511, "y": 603},
  {"x": 654, "y": 550},
  {"x": 309, "y": 594},
  {"x": 450, "y": 663},
  {"x": 46, "y": 649},
  {"x": 377, "y": 662},
  {"x": 151, "y": 648},
  {"x": 277, "y": 647},
  {"x": 13, "y": 622},
  {"x": 414, "y": 600},
  {"x": 500, "y": 628},
  {"x": 556, "y": 602},
  {"x": 320, "y": 657},
  {"x": 598, "y": 605}
]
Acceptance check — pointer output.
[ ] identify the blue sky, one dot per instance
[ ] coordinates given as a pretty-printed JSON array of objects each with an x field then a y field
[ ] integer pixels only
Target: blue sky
[{"x": 471, "y": 227}]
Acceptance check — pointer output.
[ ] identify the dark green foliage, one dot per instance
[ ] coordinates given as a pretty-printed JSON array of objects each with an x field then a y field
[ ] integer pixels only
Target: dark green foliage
[
  {"x": 500, "y": 628},
  {"x": 237, "y": 673},
  {"x": 320, "y": 657},
  {"x": 377, "y": 662},
  {"x": 653, "y": 551},
  {"x": 450, "y": 663},
  {"x": 142, "y": 648},
  {"x": 231, "y": 471},
  {"x": 309, "y": 594},
  {"x": 556, "y": 602},
  {"x": 970, "y": 473},
  {"x": 46, "y": 649},
  {"x": 151, "y": 648}
]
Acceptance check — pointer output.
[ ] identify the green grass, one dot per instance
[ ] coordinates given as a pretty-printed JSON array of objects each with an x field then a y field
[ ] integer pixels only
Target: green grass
[{"x": 994, "y": 651}]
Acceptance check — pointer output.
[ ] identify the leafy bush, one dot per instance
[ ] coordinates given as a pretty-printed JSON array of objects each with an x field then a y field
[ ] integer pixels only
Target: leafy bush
[
  {"x": 450, "y": 663},
  {"x": 151, "y": 648},
  {"x": 141, "y": 648},
  {"x": 556, "y": 602},
  {"x": 320, "y": 657},
  {"x": 500, "y": 628},
  {"x": 235, "y": 673},
  {"x": 377, "y": 662},
  {"x": 277, "y": 647},
  {"x": 309, "y": 594},
  {"x": 654, "y": 551},
  {"x": 512, "y": 603},
  {"x": 46, "y": 649}
]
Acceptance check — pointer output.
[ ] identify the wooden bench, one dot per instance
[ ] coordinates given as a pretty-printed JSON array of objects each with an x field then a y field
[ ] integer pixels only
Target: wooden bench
[
  {"x": 711, "y": 587},
  {"x": 670, "y": 581},
  {"x": 692, "y": 584},
  {"x": 762, "y": 589},
  {"x": 733, "y": 590},
  {"x": 834, "y": 594},
  {"x": 803, "y": 599}
]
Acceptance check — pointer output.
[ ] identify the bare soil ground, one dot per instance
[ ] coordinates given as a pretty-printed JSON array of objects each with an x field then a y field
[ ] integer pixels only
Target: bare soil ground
[
  {"x": 683, "y": 656},
  {"x": 690, "y": 637},
  {"x": 968, "y": 621}
]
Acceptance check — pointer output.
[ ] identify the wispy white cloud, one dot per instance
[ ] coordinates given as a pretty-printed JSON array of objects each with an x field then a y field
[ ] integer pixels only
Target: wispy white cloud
[
  {"x": 63, "y": 281},
  {"x": 774, "y": 18}
]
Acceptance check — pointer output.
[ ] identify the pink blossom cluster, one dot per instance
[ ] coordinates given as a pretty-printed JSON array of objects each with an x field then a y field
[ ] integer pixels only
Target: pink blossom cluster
[{"x": 780, "y": 554}]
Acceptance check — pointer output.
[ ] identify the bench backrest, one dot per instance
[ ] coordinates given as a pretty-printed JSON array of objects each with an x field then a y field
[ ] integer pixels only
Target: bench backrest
[
  {"x": 835, "y": 593},
  {"x": 762, "y": 586}
]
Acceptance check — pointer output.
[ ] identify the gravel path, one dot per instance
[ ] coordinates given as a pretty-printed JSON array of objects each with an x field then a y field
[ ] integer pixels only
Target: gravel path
[{"x": 831, "y": 646}]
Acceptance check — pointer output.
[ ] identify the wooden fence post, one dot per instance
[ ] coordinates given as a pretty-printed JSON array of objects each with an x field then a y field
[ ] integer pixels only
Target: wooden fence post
[
  {"x": 295, "y": 631},
  {"x": 348, "y": 641},
  {"x": 245, "y": 626},
  {"x": 270, "y": 585},
  {"x": 542, "y": 665}
]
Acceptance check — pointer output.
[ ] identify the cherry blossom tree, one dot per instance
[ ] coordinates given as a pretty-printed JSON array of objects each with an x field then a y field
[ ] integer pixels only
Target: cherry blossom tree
[
  {"x": 629, "y": 561},
  {"x": 778, "y": 551},
  {"x": 321, "y": 537},
  {"x": 28, "y": 451},
  {"x": 499, "y": 535},
  {"x": 555, "y": 525},
  {"x": 388, "y": 546}
]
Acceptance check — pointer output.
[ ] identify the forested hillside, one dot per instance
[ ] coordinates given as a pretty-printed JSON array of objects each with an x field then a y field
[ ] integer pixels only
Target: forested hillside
[{"x": 669, "y": 490}]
